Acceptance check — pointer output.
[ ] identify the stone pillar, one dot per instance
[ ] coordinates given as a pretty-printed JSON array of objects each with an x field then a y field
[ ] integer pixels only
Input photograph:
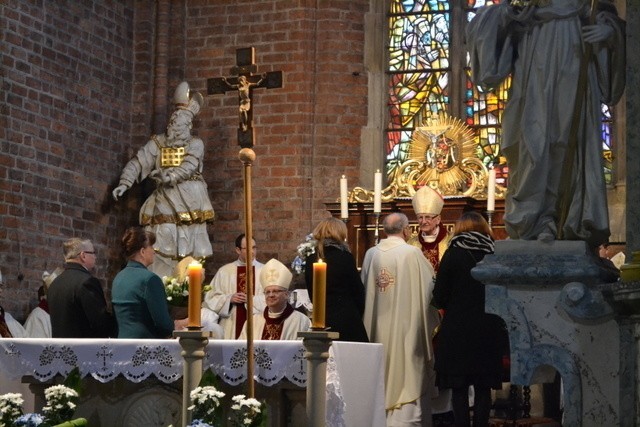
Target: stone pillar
[
  {"x": 316, "y": 344},
  {"x": 193, "y": 344},
  {"x": 558, "y": 320}
]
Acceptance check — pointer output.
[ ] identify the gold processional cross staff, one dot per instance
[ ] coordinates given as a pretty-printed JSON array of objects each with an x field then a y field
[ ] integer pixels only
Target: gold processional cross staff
[{"x": 244, "y": 81}]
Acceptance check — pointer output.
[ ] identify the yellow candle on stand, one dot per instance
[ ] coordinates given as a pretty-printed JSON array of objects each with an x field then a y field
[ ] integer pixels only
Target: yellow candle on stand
[
  {"x": 194, "y": 272},
  {"x": 319, "y": 294}
]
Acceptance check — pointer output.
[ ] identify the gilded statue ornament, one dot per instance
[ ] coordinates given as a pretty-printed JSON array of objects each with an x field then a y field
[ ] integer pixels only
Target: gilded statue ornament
[{"x": 443, "y": 154}]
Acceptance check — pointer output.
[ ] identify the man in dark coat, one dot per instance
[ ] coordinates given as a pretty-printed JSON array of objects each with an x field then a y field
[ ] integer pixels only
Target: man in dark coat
[{"x": 77, "y": 304}]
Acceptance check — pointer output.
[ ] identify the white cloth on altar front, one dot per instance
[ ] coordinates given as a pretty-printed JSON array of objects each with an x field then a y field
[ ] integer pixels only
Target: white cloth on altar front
[
  {"x": 223, "y": 286},
  {"x": 362, "y": 382},
  {"x": 38, "y": 324},
  {"x": 355, "y": 389}
]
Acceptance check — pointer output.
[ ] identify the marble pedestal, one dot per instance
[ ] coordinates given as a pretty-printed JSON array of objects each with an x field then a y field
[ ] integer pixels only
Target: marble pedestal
[{"x": 558, "y": 320}]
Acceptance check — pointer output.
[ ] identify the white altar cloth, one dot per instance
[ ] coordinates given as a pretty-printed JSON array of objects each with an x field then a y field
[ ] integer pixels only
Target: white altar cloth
[{"x": 354, "y": 378}]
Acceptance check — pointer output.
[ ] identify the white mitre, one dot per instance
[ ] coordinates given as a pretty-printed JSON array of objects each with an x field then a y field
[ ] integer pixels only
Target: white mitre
[
  {"x": 275, "y": 273},
  {"x": 427, "y": 201}
]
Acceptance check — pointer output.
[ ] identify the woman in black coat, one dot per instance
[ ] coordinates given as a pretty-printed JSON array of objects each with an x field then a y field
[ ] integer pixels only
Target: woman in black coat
[
  {"x": 470, "y": 343},
  {"x": 345, "y": 291}
]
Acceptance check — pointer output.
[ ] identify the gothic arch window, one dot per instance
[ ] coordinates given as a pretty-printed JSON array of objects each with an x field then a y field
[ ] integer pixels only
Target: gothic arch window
[{"x": 428, "y": 72}]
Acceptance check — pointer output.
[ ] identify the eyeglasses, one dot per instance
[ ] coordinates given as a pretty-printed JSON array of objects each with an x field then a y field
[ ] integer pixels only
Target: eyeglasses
[
  {"x": 276, "y": 292},
  {"x": 427, "y": 217},
  {"x": 89, "y": 252}
]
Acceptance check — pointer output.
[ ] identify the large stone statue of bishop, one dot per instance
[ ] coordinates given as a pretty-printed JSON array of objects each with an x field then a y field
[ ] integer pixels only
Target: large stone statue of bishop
[{"x": 179, "y": 207}]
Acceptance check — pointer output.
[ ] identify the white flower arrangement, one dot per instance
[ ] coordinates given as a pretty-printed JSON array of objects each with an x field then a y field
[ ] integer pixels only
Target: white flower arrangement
[
  {"x": 178, "y": 292},
  {"x": 205, "y": 402},
  {"x": 10, "y": 408},
  {"x": 60, "y": 406},
  {"x": 304, "y": 250},
  {"x": 207, "y": 411},
  {"x": 249, "y": 412}
]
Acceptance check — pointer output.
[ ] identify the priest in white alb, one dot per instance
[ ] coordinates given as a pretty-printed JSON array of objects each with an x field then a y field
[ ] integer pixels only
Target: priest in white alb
[
  {"x": 228, "y": 295},
  {"x": 399, "y": 283}
]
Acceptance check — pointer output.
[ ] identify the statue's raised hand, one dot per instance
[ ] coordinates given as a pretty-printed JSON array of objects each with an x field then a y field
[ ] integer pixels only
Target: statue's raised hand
[{"x": 119, "y": 191}]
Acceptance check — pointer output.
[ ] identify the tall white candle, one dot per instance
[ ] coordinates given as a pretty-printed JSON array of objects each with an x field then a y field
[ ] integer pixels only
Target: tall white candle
[
  {"x": 377, "y": 192},
  {"x": 344, "y": 202},
  {"x": 491, "y": 190}
]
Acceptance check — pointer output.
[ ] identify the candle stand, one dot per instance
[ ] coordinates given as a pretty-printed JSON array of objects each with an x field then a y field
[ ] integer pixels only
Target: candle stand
[
  {"x": 490, "y": 218},
  {"x": 377, "y": 229},
  {"x": 316, "y": 344},
  {"x": 193, "y": 343}
]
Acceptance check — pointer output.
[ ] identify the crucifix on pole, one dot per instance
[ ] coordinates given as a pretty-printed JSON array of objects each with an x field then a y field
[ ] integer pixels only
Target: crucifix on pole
[{"x": 244, "y": 81}]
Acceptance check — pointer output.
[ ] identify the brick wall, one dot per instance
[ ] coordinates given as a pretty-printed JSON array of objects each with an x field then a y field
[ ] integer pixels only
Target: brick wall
[
  {"x": 307, "y": 133},
  {"x": 81, "y": 94},
  {"x": 66, "y": 114}
]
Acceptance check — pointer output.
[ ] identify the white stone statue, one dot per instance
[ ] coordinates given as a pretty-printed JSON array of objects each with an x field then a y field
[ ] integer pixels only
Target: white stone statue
[{"x": 179, "y": 208}]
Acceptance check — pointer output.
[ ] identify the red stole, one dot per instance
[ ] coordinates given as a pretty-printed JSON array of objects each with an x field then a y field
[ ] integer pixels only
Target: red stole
[
  {"x": 431, "y": 249},
  {"x": 273, "y": 327},
  {"x": 241, "y": 286},
  {"x": 43, "y": 304}
]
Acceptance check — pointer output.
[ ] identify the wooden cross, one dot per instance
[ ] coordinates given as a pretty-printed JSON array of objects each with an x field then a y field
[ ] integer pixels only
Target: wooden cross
[{"x": 244, "y": 81}]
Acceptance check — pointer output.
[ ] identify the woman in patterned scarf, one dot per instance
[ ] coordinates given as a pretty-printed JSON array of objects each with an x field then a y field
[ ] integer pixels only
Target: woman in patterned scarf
[{"x": 471, "y": 342}]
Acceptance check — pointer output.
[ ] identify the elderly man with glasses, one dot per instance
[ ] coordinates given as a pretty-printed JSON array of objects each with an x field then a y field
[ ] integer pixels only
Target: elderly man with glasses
[
  {"x": 432, "y": 237},
  {"x": 279, "y": 321},
  {"x": 77, "y": 304}
]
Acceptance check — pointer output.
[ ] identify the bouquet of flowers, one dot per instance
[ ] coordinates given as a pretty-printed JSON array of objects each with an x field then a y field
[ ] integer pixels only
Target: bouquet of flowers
[
  {"x": 248, "y": 412},
  {"x": 305, "y": 249},
  {"x": 61, "y": 404},
  {"x": 177, "y": 291},
  {"x": 205, "y": 404},
  {"x": 10, "y": 408},
  {"x": 177, "y": 287}
]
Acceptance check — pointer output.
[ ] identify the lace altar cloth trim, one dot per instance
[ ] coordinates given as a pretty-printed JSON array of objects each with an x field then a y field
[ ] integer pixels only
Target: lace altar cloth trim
[{"x": 136, "y": 360}]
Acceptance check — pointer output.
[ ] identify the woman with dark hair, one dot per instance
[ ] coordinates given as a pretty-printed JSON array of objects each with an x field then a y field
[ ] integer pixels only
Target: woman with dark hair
[
  {"x": 138, "y": 296},
  {"x": 345, "y": 291},
  {"x": 470, "y": 343}
]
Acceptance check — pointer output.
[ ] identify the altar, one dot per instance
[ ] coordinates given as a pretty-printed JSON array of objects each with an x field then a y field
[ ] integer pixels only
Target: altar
[{"x": 138, "y": 382}]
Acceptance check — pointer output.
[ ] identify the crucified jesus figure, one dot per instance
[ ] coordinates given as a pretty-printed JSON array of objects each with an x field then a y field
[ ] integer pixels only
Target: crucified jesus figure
[{"x": 244, "y": 94}]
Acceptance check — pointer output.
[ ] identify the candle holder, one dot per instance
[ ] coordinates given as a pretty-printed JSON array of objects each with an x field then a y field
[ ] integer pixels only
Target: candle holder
[
  {"x": 490, "y": 218},
  {"x": 377, "y": 229}
]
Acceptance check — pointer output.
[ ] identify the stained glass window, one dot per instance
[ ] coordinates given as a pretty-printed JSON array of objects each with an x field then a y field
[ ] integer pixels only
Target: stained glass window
[{"x": 423, "y": 81}]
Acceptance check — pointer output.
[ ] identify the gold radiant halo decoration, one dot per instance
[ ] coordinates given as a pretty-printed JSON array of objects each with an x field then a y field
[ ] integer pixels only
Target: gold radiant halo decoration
[{"x": 442, "y": 155}]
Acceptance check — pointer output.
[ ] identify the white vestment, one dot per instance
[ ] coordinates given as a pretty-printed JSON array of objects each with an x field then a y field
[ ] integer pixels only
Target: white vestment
[
  {"x": 293, "y": 324},
  {"x": 399, "y": 284},
  {"x": 223, "y": 286},
  {"x": 38, "y": 324}
]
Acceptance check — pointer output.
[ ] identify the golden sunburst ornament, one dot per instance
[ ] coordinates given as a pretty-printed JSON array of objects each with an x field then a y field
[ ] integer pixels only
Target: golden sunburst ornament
[
  {"x": 443, "y": 155},
  {"x": 443, "y": 146}
]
